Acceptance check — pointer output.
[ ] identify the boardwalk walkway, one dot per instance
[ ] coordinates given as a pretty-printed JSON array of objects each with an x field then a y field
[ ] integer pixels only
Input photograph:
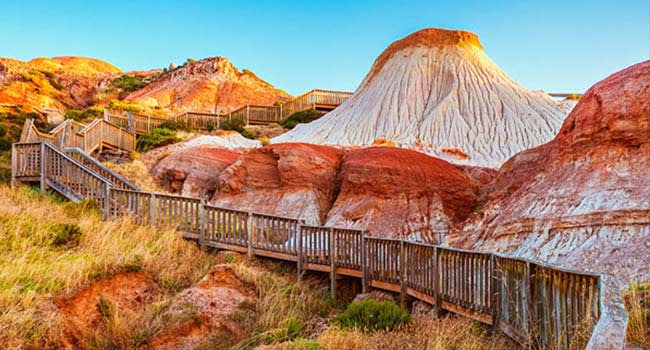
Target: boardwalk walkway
[{"x": 536, "y": 305}]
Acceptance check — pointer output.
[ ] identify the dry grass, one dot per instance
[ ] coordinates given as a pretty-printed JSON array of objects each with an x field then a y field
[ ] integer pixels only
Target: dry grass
[
  {"x": 448, "y": 333},
  {"x": 39, "y": 260},
  {"x": 637, "y": 304},
  {"x": 136, "y": 172}
]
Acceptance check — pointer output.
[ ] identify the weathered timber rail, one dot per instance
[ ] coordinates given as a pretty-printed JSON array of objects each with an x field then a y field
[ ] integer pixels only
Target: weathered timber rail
[
  {"x": 538, "y": 306},
  {"x": 324, "y": 100}
]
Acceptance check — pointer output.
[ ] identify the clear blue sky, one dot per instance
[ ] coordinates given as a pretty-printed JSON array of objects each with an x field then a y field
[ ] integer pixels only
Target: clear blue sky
[{"x": 551, "y": 45}]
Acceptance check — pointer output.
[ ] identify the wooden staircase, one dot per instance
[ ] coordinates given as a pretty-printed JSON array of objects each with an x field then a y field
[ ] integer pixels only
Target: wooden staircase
[{"x": 88, "y": 138}]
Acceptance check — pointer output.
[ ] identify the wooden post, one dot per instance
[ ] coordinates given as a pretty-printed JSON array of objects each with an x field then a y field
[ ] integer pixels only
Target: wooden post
[
  {"x": 249, "y": 232},
  {"x": 152, "y": 209},
  {"x": 436, "y": 281},
  {"x": 332, "y": 247},
  {"x": 248, "y": 114},
  {"x": 107, "y": 201},
  {"x": 364, "y": 264},
  {"x": 202, "y": 235},
  {"x": 299, "y": 252},
  {"x": 526, "y": 303},
  {"x": 496, "y": 294},
  {"x": 43, "y": 167},
  {"x": 14, "y": 165},
  {"x": 402, "y": 273}
]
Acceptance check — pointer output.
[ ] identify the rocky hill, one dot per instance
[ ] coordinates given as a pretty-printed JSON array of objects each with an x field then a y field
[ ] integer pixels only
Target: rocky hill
[
  {"x": 437, "y": 91},
  {"x": 58, "y": 83},
  {"x": 209, "y": 85},
  {"x": 583, "y": 199}
]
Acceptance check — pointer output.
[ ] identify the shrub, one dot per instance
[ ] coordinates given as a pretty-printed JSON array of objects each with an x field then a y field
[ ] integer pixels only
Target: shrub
[
  {"x": 67, "y": 235},
  {"x": 127, "y": 83},
  {"x": 155, "y": 138},
  {"x": 236, "y": 124},
  {"x": 301, "y": 117},
  {"x": 372, "y": 315},
  {"x": 84, "y": 115}
]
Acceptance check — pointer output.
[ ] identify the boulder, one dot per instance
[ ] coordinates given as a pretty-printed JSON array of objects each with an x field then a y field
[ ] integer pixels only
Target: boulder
[
  {"x": 193, "y": 172},
  {"x": 294, "y": 180}
]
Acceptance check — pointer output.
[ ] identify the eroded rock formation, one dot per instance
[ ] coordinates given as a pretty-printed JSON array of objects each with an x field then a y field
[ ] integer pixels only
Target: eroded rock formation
[
  {"x": 399, "y": 193},
  {"x": 437, "y": 91},
  {"x": 296, "y": 180},
  {"x": 583, "y": 199}
]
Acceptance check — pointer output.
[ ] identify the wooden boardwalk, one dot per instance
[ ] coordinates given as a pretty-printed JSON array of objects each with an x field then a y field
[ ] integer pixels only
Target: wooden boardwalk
[
  {"x": 318, "y": 99},
  {"x": 538, "y": 306}
]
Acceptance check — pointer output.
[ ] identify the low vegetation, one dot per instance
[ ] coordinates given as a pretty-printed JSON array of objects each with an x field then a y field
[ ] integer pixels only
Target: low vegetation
[
  {"x": 50, "y": 247},
  {"x": 236, "y": 124},
  {"x": 301, "y": 117},
  {"x": 637, "y": 304},
  {"x": 126, "y": 84},
  {"x": 371, "y": 315},
  {"x": 157, "y": 137},
  {"x": 85, "y": 115}
]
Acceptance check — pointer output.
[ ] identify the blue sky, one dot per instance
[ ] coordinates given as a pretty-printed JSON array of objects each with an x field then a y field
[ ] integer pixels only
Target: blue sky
[{"x": 550, "y": 45}]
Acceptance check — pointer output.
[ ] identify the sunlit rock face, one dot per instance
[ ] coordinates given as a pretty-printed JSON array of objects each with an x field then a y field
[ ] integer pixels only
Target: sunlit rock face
[
  {"x": 436, "y": 91},
  {"x": 209, "y": 85},
  {"x": 398, "y": 193},
  {"x": 583, "y": 199},
  {"x": 292, "y": 180}
]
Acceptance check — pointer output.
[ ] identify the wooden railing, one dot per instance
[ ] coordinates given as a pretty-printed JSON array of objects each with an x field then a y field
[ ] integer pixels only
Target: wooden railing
[
  {"x": 250, "y": 114},
  {"x": 538, "y": 306},
  {"x": 88, "y": 138}
]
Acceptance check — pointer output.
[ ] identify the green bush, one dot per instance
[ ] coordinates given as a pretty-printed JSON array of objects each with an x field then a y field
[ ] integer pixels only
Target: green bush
[
  {"x": 372, "y": 315},
  {"x": 83, "y": 115},
  {"x": 155, "y": 138},
  {"x": 236, "y": 124},
  {"x": 127, "y": 83},
  {"x": 68, "y": 235},
  {"x": 301, "y": 117}
]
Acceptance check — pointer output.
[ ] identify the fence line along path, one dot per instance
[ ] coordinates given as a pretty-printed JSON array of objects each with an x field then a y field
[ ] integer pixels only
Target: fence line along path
[
  {"x": 318, "y": 99},
  {"x": 538, "y": 306}
]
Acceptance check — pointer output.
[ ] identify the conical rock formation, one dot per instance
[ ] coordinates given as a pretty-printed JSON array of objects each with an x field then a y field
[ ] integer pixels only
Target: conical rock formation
[{"x": 436, "y": 91}]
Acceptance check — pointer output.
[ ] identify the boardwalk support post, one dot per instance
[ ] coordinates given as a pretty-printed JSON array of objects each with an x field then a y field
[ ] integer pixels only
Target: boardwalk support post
[
  {"x": 436, "y": 282},
  {"x": 202, "y": 236},
  {"x": 152, "y": 209},
  {"x": 43, "y": 168},
  {"x": 332, "y": 246},
  {"x": 496, "y": 294},
  {"x": 249, "y": 238},
  {"x": 402, "y": 273},
  {"x": 14, "y": 165},
  {"x": 106, "y": 212},
  {"x": 364, "y": 264},
  {"x": 299, "y": 251}
]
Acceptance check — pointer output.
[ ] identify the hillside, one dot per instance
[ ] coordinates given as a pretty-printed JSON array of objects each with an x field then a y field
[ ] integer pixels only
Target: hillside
[
  {"x": 212, "y": 84},
  {"x": 437, "y": 91}
]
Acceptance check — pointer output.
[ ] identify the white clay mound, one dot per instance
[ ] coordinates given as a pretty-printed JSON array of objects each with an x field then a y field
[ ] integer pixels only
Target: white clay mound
[
  {"x": 436, "y": 91},
  {"x": 229, "y": 140}
]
